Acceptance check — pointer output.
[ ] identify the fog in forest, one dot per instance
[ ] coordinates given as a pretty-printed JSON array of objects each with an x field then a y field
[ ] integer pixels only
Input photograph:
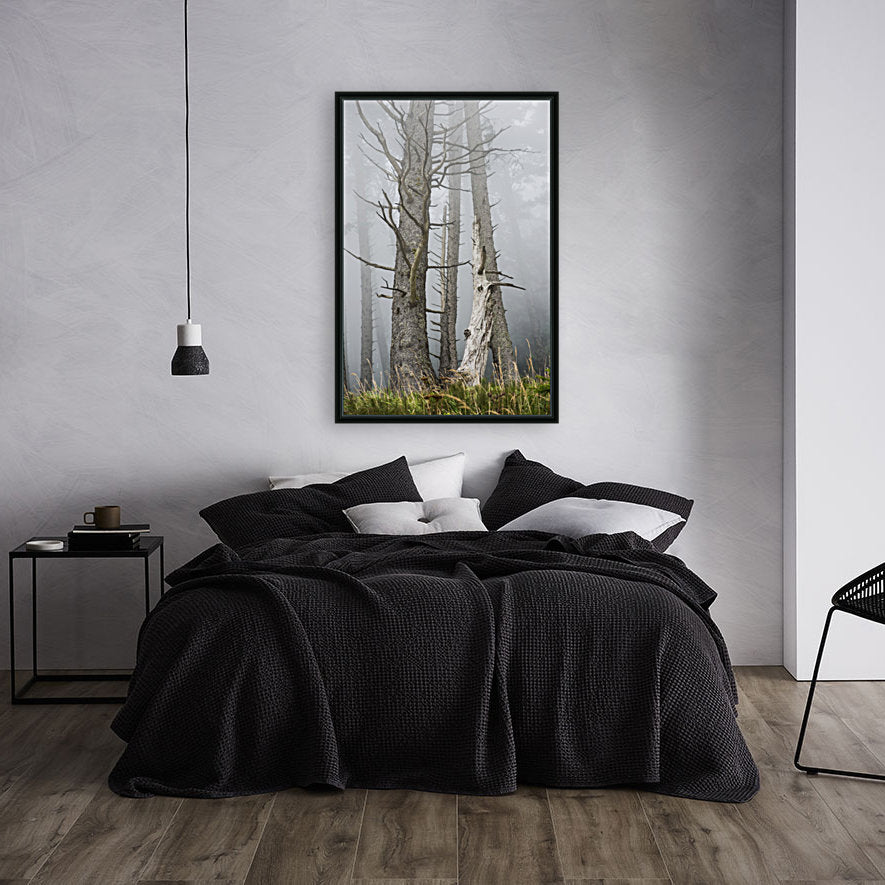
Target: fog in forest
[{"x": 518, "y": 167}]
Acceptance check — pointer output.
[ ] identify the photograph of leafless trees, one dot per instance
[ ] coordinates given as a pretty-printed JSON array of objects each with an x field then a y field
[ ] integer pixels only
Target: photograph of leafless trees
[{"x": 446, "y": 256}]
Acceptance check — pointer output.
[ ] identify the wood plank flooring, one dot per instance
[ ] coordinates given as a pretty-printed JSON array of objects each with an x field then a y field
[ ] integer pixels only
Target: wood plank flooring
[{"x": 59, "y": 823}]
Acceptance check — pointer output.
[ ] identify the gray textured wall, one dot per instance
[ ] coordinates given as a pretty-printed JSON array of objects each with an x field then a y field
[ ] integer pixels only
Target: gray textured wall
[{"x": 670, "y": 298}]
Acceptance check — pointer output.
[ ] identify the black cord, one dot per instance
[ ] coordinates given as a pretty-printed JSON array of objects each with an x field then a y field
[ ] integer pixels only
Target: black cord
[{"x": 187, "y": 171}]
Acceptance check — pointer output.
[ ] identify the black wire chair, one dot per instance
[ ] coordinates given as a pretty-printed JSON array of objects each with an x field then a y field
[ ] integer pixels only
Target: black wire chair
[{"x": 863, "y": 597}]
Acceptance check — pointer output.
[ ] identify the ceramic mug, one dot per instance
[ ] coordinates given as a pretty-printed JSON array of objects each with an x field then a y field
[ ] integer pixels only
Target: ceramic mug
[{"x": 106, "y": 516}]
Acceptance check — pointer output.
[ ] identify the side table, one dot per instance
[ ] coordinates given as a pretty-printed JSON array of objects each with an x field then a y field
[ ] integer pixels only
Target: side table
[{"x": 148, "y": 545}]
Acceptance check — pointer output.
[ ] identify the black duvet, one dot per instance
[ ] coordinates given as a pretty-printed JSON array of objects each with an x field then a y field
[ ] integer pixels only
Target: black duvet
[{"x": 458, "y": 662}]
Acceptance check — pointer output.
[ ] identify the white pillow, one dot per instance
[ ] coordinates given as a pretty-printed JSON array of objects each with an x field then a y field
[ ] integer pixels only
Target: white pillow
[
  {"x": 303, "y": 479},
  {"x": 417, "y": 517},
  {"x": 576, "y": 517},
  {"x": 440, "y": 478}
]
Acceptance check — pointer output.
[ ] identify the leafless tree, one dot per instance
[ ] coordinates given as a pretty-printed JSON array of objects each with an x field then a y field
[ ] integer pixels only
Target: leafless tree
[
  {"x": 419, "y": 158},
  {"x": 448, "y": 283},
  {"x": 366, "y": 306},
  {"x": 449, "y": 255},
  {"x": 381, "y": 332},
  {"x": 409, "y": 219},
  {"x": 538, "y": 336},
  {"x": 487, "y": 330},
  {"x": 347, "y": 378}
]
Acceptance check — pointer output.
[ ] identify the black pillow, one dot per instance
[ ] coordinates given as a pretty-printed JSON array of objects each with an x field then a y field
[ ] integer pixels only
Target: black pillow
[
  {"x": 525, "y": 485},
  {"x": 287, "y": 513},
  {"x": 522, "y": 486},
  {"x": 619, "y": 491}
]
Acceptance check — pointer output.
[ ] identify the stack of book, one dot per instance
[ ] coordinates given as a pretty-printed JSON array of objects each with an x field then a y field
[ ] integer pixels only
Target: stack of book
[{"x": 89, "y": 537}]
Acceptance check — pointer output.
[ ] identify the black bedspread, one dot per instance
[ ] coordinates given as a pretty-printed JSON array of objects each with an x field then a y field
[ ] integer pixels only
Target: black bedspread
[{"x": 460, "y": 662}]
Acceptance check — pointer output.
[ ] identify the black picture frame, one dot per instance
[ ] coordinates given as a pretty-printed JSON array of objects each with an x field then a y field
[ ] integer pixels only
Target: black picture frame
[{"x": 491, "y": 106}]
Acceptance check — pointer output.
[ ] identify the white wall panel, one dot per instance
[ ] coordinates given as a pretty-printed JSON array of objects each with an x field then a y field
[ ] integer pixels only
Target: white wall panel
[{"x": 834, "y": 457}]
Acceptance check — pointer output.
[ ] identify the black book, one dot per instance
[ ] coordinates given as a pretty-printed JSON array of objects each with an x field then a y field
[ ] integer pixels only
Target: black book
[
  {"x": 80, "y": 541},
  {"x": 123, "y": 528}
]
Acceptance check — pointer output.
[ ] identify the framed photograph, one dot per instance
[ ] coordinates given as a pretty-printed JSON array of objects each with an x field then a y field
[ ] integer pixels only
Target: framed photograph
[{"x": 446, "y": 256}]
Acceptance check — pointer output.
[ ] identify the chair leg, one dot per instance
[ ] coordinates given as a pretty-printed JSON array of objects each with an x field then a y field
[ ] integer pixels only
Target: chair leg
[
  {"x": 811, "y": 688},
  {"x": 817, "y": 770}
]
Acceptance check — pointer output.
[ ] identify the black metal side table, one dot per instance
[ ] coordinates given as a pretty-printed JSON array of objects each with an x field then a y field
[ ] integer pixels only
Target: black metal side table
[{"x": 148, "y": 545}]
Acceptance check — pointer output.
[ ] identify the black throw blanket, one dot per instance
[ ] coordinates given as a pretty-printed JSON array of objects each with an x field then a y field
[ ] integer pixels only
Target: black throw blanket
[{"x": 458, "y": 662}]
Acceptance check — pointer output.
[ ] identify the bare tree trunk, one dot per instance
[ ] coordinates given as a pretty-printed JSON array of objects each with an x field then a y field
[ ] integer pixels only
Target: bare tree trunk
[
  {"x": 383, "y": 352},
  {"x": 438, "y": 324},
  {"x": 367, "y": 373},
  {"x": 344, "y": 371},
  {"x": 539, "y": 340},
  {"x": 410, "y": 366},
  {"x": 451, "y": 256},
  {"x": 488, "y": 324},
  {"x": 478, "y": 334}
]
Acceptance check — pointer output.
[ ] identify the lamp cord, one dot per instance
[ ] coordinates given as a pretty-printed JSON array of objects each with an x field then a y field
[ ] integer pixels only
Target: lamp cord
[{"x": 187, "y": 172}]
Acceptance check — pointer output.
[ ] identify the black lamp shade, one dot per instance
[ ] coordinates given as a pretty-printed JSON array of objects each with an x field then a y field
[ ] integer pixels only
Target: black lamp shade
[{"x": 190, "y": 361}]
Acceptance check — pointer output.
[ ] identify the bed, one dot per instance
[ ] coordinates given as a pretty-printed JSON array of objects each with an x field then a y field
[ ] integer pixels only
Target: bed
[{"x": 453, "y": 661}]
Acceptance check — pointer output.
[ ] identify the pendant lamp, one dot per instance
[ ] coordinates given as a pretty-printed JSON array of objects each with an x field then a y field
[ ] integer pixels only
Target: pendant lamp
[{"x": 189, "y": 358}]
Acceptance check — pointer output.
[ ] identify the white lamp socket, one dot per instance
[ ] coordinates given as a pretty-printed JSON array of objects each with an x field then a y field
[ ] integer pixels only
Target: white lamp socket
[{"x": 190, "y": 334}]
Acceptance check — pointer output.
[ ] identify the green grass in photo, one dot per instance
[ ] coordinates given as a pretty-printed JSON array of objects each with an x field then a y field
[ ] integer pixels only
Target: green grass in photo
[{"x": 529, "y": 396}]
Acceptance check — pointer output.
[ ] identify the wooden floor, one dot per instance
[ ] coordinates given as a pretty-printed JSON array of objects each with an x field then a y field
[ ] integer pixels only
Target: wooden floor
[{"x": 60, "y": 823}]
